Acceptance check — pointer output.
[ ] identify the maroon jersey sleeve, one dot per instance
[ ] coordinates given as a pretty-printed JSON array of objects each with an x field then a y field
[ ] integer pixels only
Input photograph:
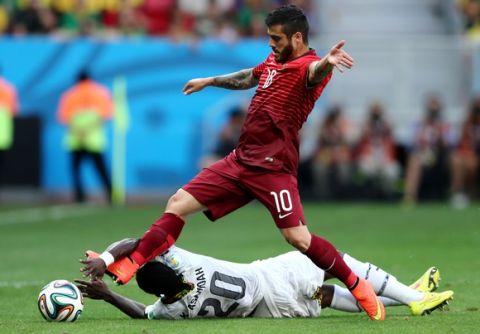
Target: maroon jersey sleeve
[{"x": 257, "y": 70}]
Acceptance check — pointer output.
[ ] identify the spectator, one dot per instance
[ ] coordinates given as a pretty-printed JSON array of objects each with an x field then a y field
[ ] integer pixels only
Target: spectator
[
  {"x": 157, "y": 16},
  {"x": 465, "y": 158},
  {"x": 8, "y": 109},
  {"x": 84, "y": 108},
  {"x": 129, "y": 21},
  {"x": 250, "y": 18},
  {"x": 331, "y": 161},
  {"x": 376, "y": 155},
  {"x": 426, "y": 164},
  {"x": 122, "y": 18},
  {"x": 209, "y": 15},
  {"x": 4, "y": 19},
  {"x": 228, "y": 138},
  {"x": 32, "y": 18},
  {"x": 176, "y": 19},
  {"x": 471, "y": 17},
  {"x": 80, "y": 20}
]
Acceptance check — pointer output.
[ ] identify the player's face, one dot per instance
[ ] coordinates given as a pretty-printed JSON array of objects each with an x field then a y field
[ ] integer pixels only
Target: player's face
[{"x": 279, "y": 42}]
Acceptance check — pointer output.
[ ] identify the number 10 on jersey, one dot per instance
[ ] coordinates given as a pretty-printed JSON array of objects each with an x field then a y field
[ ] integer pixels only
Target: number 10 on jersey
[{"x": 283, "y": 200}]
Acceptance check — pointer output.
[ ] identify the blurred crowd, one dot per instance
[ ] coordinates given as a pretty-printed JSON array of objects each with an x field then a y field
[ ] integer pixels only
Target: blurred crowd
[
  {"x": 442, "y": 161},
  {"x": 348, "y": 162},
  {"x": 470, "y": 10},
  {"x": 177, "y": 19},
  {"x": 351, "y": 162}
]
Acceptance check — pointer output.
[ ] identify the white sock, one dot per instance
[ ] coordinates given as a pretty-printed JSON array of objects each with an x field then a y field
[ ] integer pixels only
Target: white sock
[
  {"x": 383, "y": 283},
  {"x": 343, "y": 300},
  {"x": 389, "y": 301}
]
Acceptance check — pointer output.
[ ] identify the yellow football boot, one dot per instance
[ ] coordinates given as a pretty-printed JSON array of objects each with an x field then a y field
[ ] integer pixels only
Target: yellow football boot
[
  {"x": 430, "y": 302},
  {"x": 428, "y": 282}
]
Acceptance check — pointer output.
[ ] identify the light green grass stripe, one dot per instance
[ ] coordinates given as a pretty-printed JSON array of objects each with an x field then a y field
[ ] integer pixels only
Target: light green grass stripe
[{"x": 36, "y": 215}]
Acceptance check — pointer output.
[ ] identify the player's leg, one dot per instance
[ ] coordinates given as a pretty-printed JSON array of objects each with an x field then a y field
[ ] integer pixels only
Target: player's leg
[
  {"x": 321, "y": 252},
  {"x": 279, "y": 193},
  {"x": 166, "y": 230},
  {"x": 158, "y": 238},
  {"x": 383, "y": 283},
  {"x": 341, "y": 299},
  {"x": 392, "y": 292},
  {"x": 412, "y": 179},
  {"x": 77, "y": 157},
  {"x": 101, "y": 168},
  {"x": 208, "y": 190}
]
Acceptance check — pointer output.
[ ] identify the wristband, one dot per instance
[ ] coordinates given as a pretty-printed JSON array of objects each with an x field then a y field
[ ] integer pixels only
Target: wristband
[{"x": 107, "y": 257}]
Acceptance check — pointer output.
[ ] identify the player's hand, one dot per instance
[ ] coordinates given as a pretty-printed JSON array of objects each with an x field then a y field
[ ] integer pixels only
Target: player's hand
[
  {"x": 95, "y": 289},
  {"x": 196, "y": 85},
  {"x": 94, "y": 268},
  {"x": 339, "y": 58}
]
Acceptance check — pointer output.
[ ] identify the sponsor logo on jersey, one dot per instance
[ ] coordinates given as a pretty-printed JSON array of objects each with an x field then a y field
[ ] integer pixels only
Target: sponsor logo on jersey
[
  {"x": 281, "y": 216},
  {"x": 170, "y": 258}
]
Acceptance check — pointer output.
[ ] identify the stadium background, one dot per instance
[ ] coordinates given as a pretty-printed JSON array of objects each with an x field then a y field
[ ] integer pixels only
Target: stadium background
[{"x": 404, "y": 50}]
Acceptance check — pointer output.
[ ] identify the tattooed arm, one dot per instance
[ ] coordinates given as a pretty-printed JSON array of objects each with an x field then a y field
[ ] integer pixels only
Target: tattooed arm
[{"x": 243, "y": 79}]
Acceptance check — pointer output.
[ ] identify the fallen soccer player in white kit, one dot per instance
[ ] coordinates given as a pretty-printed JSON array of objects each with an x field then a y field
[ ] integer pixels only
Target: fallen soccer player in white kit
[{"x": 191, "y": 285}]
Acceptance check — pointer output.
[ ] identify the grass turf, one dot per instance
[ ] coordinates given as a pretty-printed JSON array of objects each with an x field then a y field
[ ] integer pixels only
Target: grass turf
[{"x": 42, "y": 245}]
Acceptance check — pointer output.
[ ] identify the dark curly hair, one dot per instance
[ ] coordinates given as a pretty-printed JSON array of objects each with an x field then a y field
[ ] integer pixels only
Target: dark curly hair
[
  {"x": 158, "y": 279},
  {"x": 292, "y": 20}
]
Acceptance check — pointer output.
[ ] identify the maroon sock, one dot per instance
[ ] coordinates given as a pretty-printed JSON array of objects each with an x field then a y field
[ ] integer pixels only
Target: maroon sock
[
  {"x": 161, "y": 235},
  {"x": 326, "y": 257}
]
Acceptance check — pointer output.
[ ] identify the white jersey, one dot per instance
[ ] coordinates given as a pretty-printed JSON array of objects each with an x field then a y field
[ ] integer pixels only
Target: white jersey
[{"x": 282, "y": 286}]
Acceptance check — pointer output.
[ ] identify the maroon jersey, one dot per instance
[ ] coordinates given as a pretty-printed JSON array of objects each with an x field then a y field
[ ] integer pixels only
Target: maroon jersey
[{"x": 280, "y": 106}]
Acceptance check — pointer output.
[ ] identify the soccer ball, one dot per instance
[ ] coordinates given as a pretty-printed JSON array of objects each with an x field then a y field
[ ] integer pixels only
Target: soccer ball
[{"x": 60, "y": 300}]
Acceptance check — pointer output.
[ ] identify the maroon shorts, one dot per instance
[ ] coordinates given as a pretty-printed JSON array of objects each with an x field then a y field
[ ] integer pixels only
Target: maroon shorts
[{"x": 228, "y": 185}]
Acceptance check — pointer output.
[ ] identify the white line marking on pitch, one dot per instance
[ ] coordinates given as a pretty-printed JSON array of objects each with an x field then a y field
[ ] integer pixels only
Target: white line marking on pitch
[
  {"x": 40, "y": 284},
  {"x": 20, "y": 284},
  {"x": 35, "y": 215}
]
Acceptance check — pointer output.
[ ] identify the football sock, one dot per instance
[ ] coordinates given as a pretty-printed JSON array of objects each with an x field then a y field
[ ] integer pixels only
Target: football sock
[
  {"x": 383, "y": 283},
  {"x": 161, "y": 235},
  {"x": 326, "y": 257},
  {"x": 343, "y": 300}
]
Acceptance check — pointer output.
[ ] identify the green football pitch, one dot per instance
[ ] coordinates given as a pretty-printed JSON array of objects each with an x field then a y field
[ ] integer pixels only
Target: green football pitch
[{"x": 42, "y": 244}]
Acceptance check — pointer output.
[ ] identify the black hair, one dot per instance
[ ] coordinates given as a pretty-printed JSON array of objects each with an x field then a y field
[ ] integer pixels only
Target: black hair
[
  {"x": 333, "y": 112},
  {"x": 292, "y": 20},
  {"x": 158, "y": 279},
  {"x": 83, "y": 75},
  {"x": 236, "y": 112}
]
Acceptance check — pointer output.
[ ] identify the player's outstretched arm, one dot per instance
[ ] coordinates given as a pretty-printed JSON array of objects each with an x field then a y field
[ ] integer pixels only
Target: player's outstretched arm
[
  {"x": 243, "y": 79},
  {"x": 335, "y": 58},
  {"x": 97, "y": 289}
]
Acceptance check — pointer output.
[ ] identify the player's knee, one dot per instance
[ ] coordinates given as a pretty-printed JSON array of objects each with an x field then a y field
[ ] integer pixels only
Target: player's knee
[
  {"x": 183, "y": 204},
  {"x": 175, "y": 202}
]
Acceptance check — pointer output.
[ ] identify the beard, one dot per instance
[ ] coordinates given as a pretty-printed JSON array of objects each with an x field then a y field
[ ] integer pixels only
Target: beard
[{"x": 285, "y": 54}]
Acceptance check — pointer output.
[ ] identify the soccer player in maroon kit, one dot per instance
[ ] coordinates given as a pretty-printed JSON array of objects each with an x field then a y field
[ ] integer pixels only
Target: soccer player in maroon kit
[{"x": 264, "y": 164}]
